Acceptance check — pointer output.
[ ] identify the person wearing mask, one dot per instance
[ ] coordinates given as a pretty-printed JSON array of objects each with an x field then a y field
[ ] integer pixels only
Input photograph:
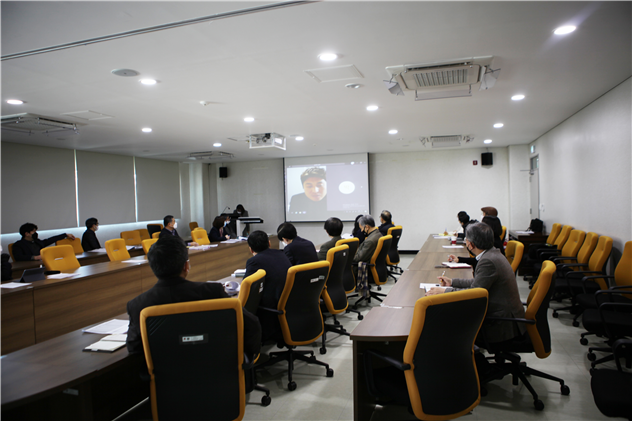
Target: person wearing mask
[
  {"x": 333, "y": 227},
  {"x": 357, "y": 232},
  {"x": 29, "y": 246},
  {"x": 89, "y": 241},
  {"x": 170, "y": 227},
  {"x": 386, "y": 220},
  {"x": 464, "y": 221},
  {"x": 372, "y": 235},
  {"x": 298, "y": 250},
  {"x": 217, "y": 231}
]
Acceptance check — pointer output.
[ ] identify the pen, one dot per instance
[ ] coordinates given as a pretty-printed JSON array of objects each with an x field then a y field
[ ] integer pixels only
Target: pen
[{"x": 443, "y": 274}]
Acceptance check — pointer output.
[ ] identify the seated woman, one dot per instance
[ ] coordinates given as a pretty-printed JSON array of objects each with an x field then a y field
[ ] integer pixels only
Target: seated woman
[{"x": 217, "y": 232}]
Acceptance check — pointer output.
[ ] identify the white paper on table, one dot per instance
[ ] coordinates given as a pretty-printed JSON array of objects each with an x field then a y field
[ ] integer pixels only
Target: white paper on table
[
  {"x": 138, "y": 262},
  {"x": 101, "y": 250},
  {"x": 428, "y": 286},
  {"x": 13, "y": 285},
  {"x": 105, "y": 346},
  {"x": 130, "y": 247},
  {"x": 453, "y": 265},
  {"x": 524, "y": 232},
  {"x": 60, "y": 276},
  {"x": 231, "y": 241},
  {"x": 452, "y": 247},
  {"x": 441, "y": 237},
  {"x": 111, "y": 327},
  {"x": 115, "y": 338}
]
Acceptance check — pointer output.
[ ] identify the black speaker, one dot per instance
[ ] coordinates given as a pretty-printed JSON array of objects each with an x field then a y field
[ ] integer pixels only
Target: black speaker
[
  {"x": 223, "y": 172},
  {"x": 487, "y": 158}
]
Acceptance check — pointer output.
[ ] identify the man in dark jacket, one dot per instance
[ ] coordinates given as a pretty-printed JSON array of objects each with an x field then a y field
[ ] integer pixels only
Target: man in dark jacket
[
  {"x": 28, "y": 248},
  {"x": 298, "y": 250},
  {"x": 170, "y": 227},
  {"x": 89, "y": 241},
  {"x": 387, "y": 222},
  {"x": 333, "y": 227}
]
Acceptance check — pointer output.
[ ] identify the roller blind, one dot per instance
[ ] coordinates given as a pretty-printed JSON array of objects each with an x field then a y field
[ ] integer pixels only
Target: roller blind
[
  {"x": 105, "y": 187},
  {"x": 38, "y": 186},
  {"x": 157, "y": 189}
]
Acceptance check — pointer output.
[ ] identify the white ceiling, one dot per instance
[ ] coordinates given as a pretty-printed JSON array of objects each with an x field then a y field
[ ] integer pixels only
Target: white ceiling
[{"x": 254, "y": 65}]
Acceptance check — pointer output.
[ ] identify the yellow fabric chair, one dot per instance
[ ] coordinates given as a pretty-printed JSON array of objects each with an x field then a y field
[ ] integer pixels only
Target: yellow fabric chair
[
  {"x": 116, "y": 250},
  {"x": 132, "y": 238},
  {"x": 61, "y": 258},
  {"x": 193, "y": 225},
  {"x": 155, "y": 235},
  {"x": 148, "y": 243},
  {"x": 513, "y": 253},
  {"x": 144, "y": 234},
  {"x": 76, "y": 244},
  {"x": 250, "y": 291},
  {"x": 11, "y": 252},
  {"x": 200, "y": 236},
  {"x": 502, "y": 235}
]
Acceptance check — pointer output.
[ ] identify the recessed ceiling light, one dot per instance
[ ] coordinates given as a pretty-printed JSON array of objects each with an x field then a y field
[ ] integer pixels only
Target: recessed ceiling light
[
  {"x": 353, "y": 85},
  {"x": 517, "y": 97},
  {"x": 217, "y": 145},
  {"x": 148, "y": 81},
  {"x": 15, "y": 102},
  {"x": 146, "y": 129},
  {"x": 392, "y": 131},
  {"x": 563, "y": 30},
  {"x": 249, "y": 119},
  {"x": 487, "y": 141},
  {"x": 299, "y": 138},
  {"x": 372, "y": 108},
  {"x": 328, "y": 56},
  {"x": 498, "y": 125}
]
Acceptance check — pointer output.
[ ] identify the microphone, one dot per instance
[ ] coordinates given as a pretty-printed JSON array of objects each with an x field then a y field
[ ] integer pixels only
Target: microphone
[{"x": 225, "y": 209}]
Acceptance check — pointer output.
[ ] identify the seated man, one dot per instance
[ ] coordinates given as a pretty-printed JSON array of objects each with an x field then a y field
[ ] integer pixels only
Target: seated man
[
  {"x": 368, "y": 246},
  {"x": 387, "y": 222},
  {"x": 493, "y": 272},
  {"x": 28, "y": 248},
  {"x": 298, "y": 250},
  {"x": 464, "y": 220},
  {"x": 217, "y": 233},
  {"x": 170, "y": 227},
  {"x": 333, "y": 227},
  {"x": 169, "y": 260},
  {"x": 89, "y": 241},
  {"x": 276, "y": 264}
]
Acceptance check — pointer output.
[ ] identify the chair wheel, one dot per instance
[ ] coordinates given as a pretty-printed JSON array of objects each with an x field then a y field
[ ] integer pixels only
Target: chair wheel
[
  {"x": 575, "y": 323},
  {"x": 330, "y": 372},
  {"x": 539, "y": 405},
  {"x": 291, "y": 386},
  {"x": 379, "y": 288},
  {"x": 266, "y": 400},
  {"x": 591, "y": 356},
  {"x": 583, "y": 341},
  {"x": 360, "y": 317},
  {"x": 336, "y": 322},
  {"x": 565, "y": 390},
  {"x": 555, "y": 315},
  {"x": 323, "y": 350}
]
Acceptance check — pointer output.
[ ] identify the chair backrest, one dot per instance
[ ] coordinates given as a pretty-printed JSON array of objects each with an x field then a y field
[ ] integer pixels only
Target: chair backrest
[
  {"x": 194, "y": 354},
  {"x": 461, "y": 313},
  {"x": 348, "y": 279},
  {"x": 144, "y": 234},
  {"x": 116, "y": 250},
  {"x": 555, "y": 231},
  {"x": 392, "y": 258},
  {"x": 599, "y": 258},
  {"x": 379, "y": 271},
  {"x": 590, "y": 242},
  {"x": 513, "y": 253},
  {"x": 573, "y": 244},
  {"x": 537, "y": 308},
  {"x": 76, "y": 244},
  {"x": 152, "y": 228},
  {"x": 302, "y": 321},
  {"x": 563, "y": 237},
  {"x": 200, "y": 236},
  {"x": 11, "y": 251},
  {"x": 334, "y": 294},
  {"x": 197, "y": 228},
  {"x": 623, "y": 272},
  {"x": 155, "y": 235},
  {"x": 61, "y": 258},
  {"x": 503, "y": 233},
  {"x": 148, "y": 243},
  {"x": 132, "y": 238},
  {"x": 250, "y": 291},
  {"x": 193, "y": 225}
]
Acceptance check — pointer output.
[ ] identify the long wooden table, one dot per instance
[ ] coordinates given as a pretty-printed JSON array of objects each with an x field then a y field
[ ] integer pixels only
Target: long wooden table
[
  {"x": 386, "y": 328},
  {"x": 46, "y": 309}
]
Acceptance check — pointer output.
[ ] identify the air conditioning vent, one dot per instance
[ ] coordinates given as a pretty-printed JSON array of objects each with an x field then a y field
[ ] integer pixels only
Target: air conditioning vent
[
  {"x": 448, "y": 141},
  {"x": 415, "y": 79},
  {"x": 33, "y": 123}
]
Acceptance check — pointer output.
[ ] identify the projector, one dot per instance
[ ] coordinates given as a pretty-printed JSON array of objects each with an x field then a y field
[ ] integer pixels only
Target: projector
[{"x": 267, "y": 140}]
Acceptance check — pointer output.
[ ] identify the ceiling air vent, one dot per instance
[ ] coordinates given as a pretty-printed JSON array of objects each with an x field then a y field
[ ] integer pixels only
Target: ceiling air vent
[
  {"x": 33, "y": 123},
  {"x": 449, "y": 141}
]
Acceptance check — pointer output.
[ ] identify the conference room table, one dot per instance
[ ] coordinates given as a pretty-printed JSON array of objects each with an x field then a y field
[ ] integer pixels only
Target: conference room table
[
  {"x": 46, "y": 309},
  {"x": 385, "y": 328}
]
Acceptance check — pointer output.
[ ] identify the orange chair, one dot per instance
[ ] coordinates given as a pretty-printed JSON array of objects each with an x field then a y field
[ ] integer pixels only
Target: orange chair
[
  {"x": 155, "y": 235},
  {"x": 61, "y": 258},
  {"x": 132, "y": 238},
  {"x": 116, "y": 250},
  {"x": 148, "y": 243},
  {"x": 193, "y": 225},
  {"x": 144, "y": 234},
  {"x": 200, "y": 236},
  {"x": 76, "y": 244},
  {"x": 11, "y": 251}
]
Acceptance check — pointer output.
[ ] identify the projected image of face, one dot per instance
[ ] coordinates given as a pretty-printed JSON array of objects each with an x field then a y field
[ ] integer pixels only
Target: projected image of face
[{"x": 315, "y": 188}]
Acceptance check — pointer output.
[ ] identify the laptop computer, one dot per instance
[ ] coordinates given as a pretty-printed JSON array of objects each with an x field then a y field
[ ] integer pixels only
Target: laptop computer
[{"x": 32, "y": 275}]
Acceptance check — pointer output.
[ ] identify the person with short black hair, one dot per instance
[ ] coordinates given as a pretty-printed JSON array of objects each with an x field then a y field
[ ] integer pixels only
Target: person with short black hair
[
  {"x": 313, "y": 200},
  {"x": 357, "y": 232},
  {"x": 298, "y": 250},
  {"x": 333, "y": 227},
  {"x": 276, "y": 265},
  {"x": 490, "y": 217},
  {"x": 387, "y": 222},
  {"x": 368, "y": 246},
  {"x": 89, "y": 241},
  {"x": 465, "y": 220},
  {"x": 169, "y": 260},
  {"x": 29, "y": 246},
  {"x": 240, "y": 211},
  {"x": 170, "y": 227},
  {"x": 217, "y": 231}
]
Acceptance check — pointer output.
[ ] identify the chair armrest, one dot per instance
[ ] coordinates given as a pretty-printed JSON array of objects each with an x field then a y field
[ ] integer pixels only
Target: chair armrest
[
  {"x": 603, "y": 307},
  {"x": 271, "y": 310},
  {"x": 390, "y": 360},
  {"x": 620, "y": 348},
  {"x": 511, "y": 319},
  {"x": 248, "y": 363},
  {"x": 612, "y": 290},
  {"x": 558, "y": 258},
  {"x": 620, "y": 287},
  {"x": 586, "y": 279},
  {"x": 542, "y": 255},
  {"x": 368, "y": 368}
]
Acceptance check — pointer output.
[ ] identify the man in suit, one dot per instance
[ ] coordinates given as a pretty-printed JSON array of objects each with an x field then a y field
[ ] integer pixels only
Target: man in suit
[
  {"x": 170, "y": 227},
  {"x": 29, "y": 246},
  {"x": 368, "y": 246},
  {"x": 298, "y": 250},
  {"x": 493, "y": 272},
  {"x": 387, "y": 222},
  {"x": 333, "y": 227},
  {"x": 89, "y": 241},
  {"x": 169, "y": 260},
  {"x": 276, "y": 265}
]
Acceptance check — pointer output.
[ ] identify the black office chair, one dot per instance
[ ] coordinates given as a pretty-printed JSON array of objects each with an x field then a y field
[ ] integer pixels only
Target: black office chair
[
  {"x": 612, "y": 389},
  {"x": 333, "y": 296},
  {"x": 195, "y": 359},
  {"x": 348, "y": 278},
  {"x": 437, "y": 376},
  {"x": 153, "y": 228},
  {"x": 377, "y": 271},
  {"x": 392, "y": 259},
  {"x": 300, "y": 316}
]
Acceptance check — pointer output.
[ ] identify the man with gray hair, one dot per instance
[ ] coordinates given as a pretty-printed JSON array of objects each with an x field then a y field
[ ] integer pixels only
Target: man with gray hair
[{"x": 368, "y": 246}]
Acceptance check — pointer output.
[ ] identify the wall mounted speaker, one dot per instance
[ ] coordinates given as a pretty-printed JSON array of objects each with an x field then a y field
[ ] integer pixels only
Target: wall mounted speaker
[
  {"x": 487, "y": 158},
  {"x": 223, "y": 172}
]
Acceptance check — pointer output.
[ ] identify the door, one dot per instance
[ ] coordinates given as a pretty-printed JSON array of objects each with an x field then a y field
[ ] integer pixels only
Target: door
[{"x": 534, "y": 187}]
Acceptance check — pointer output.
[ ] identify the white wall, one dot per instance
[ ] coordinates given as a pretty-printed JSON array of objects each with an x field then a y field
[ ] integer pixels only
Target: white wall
[
  {"x": 585, "y": 171},
  {"x": 519, "y": 199}
]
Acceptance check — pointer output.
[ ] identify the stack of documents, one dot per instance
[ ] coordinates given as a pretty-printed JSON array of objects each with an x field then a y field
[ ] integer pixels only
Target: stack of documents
[
  {"x": 239, "y": 273},
  {"x": 109, "y": 343},
  {"x": 111, "y": 327},
  {"x": 453, "y": 265}
]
